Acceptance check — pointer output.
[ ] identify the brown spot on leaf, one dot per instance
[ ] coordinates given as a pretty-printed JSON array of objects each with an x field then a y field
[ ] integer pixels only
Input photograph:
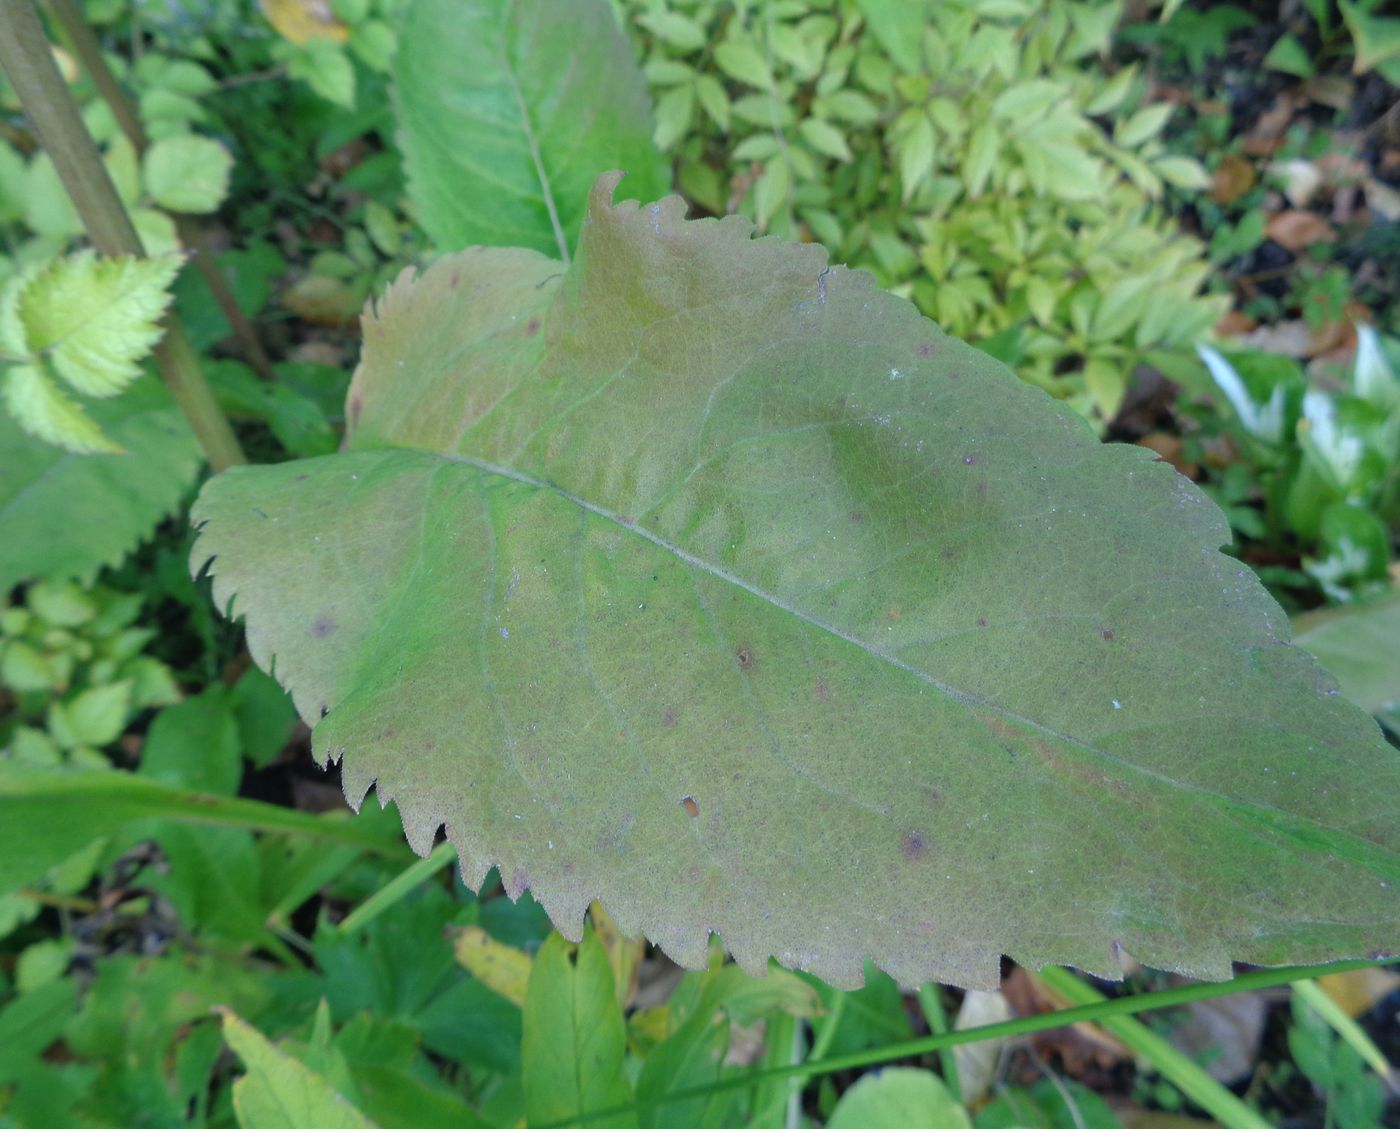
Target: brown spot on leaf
[
  {"x": 745, "y": 658},
  {"x": 668, "y": 718},
  {"x": 692, "y": 807},
  {"x": 455, "y": 280},
  {"x": 894, "y": 612},
  {"x": 302, "y": 477},
  {"x": 926, "y": 349},
  {"x": 322, "y": 626},
  {"x": 820, "y": 691},
  {"x": 857, "y": 517},
  {"x": 913, "y": 846},
  {"x": 355, "y": 405},
  {"x": 532, "y": 327},
  {"x": 981, "y": 621},
  {"x": 1106, "y": 634}
]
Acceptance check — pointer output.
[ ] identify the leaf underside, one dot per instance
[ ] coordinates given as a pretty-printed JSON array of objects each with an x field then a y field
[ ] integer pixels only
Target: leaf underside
[{"x": 722, "y": 587}]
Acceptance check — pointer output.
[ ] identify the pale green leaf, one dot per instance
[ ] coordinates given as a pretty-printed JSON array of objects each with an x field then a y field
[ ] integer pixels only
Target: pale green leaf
[
  {"x": 47, "y": 207},
  {"x": 573, "y": 1040},
  {"x": 94, "y": 717},
  {"x": 68, "y": 515},
  {"x": 772, "y": 190},
  {"x": 703, "y": 566},
  {"x": 899, "y": 1097},
  {"x": 37, "y": 405},
  {"x": 678, "y": 30},
  {"x": 982, "y": 151},
  {"x": 825, "y": 138},
  {"x": 1377, "y": 38},
  {"x": 95, "y": 319},
  {"x": 323, "y": 64},
  {"x": 156, "y": 230},
  {"x": 713, "y": 98},
  {"x": 673, "y": 113},
  {"x": 916, "y": 153},
  {"x": 280, "y": 1092},
  {"x": 741, "y": 60},
  {"x": 188, "y": 173},
  {"x": 1356, "y": 643},
  {"x": 1184, "y": 172},
  {"x": 1113, "y": 93},
  {"x": 124, "y": 167},
  {"x": 507, "y": 112},
  {"x": 1143, "y": 125},
  {"x": 374, "y": 42},
  {"x": 898, "y": 25}
]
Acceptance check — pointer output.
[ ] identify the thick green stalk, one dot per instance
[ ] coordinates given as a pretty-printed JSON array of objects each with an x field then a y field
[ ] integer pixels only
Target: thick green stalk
[
  {"x": 27, "y": 60},
  {"x": 89, "y": 53}
]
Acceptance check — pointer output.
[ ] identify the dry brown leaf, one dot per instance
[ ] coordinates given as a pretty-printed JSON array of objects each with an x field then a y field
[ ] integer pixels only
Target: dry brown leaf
[
  {"x": 1233, "y": 177},
  {"x": 1080, "y": 1046},
  {"x": 301, "y": 20},
  {"x": 1235, "y": 322},
  {"x": 1358, "y": 991},
  {"x": 1296, "y": 229},
  {"x": 1168, "y": 448}
]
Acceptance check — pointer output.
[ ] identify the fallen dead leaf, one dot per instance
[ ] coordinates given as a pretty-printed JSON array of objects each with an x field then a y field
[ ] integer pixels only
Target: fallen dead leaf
[
  {"x": 1289, "y": 338},
  {"x": 977, "y": 1062},
  {"x": 1358, "y": 991},
  {"x": 1222, "y": 1034},
  {"x": 1168, "y": 448},
  {"x": 1382, "y": 199},
  {"x": 1079, "y": 1047},
  {"x": 1233, "y": 177},
  {"x": 1296, "y": 229},
  {"x": 302, "y": 20},
  {"x": 1301, "y": 179},
  {"x": 1235, "y": 322}
]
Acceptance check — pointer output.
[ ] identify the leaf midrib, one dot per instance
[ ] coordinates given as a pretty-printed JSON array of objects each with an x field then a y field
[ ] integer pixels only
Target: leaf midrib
[{"x": 507, "y": 33}]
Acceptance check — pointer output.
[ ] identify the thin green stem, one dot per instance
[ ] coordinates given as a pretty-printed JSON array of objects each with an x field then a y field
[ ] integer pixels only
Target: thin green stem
[
  {"x": 931, "y": 1001},
  {"x": 1013, "y": 1028},
  {"x": 27, "y": 59},
  {"x": 1174, "y": 1066},
  {"x": 398, "y": 888}
]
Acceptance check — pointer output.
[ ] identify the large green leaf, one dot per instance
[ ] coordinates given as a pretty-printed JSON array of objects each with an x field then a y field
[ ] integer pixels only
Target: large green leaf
[
  {"x": 64, "y": 515},
  {"x": 716, "y": 584},
  {"x": 507, "y": 109}
]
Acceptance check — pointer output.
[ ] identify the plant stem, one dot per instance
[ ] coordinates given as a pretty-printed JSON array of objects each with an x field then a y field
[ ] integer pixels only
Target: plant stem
[
  {"x": 89, "y": 53},
  {"x": 1024, "y": 1025},
  {"x": 28, "y": 61}
]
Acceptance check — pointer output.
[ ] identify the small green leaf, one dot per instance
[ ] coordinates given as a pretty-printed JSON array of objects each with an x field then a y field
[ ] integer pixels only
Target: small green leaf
[
  {"x": 1184, "y": 172},
  {"x": 678, "y": 30},
  {"x": 574, "y": 1040},
  {"x": 95, "y": 319},
  {"x": 772, "y": 191},
  {"x": 374, "y": 42},
  {"x": 187, "y": 174},
  {"x": 825, "y": 138},
  {"x": 1356, "y": 643},
  {"x": 713, "y": 98},
  {"x": 1290, "y": 56},
  {"x": 743, "y": 62},
  {"x": 1377, "y": 37},
  {"x": 1143, "y": 125},
  {"x": 916, "y": 152},
  {"x": 323, "y": 63},
  {"x": 44, "y": 412},
  {"x": 899, "y": 1097},
  {"x": 898, "y": 26},
  {"x": 195, "y": 744},
  {"x": 673, "y": 112},
  {"x": 982, "y": 151},
  {"x": 94, "y": 717},
  {"x": 278, "y": 1091}
]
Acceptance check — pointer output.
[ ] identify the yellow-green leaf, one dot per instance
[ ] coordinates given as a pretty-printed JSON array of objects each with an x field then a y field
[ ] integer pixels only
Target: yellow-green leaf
[
  {"x": 502, "y": 968},
  {"x": 187, "y": 173},
  {"x": 46, "y": 413},
  {"x": 279, "y": 1092},
  {"x": 94, "y": 319}
]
